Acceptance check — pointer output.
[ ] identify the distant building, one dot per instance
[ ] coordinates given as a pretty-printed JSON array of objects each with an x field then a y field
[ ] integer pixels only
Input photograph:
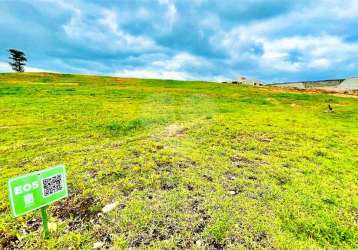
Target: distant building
[{"x": 246, "y": 81}]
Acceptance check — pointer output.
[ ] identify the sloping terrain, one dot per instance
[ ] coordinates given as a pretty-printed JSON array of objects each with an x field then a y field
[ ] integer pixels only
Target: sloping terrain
[
  {"x": 349, "y": 84},
  {"x": 180, "y": 165}
]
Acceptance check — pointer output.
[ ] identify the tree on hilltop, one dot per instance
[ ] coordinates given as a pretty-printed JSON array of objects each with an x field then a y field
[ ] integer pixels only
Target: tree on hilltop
[{"x": 17, "y": 60}]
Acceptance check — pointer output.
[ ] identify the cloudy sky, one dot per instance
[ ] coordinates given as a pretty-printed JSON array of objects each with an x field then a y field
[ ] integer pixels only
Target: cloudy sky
[{"x": 271, "y": 40}]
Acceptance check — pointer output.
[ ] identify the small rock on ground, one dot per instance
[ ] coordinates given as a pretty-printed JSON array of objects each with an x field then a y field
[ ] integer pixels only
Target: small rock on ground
[
  {"x": 97, "y": 245},
  {"x": 109, "y": 207}
]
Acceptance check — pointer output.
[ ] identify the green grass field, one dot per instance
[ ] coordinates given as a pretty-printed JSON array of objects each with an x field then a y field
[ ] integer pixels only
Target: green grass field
[{"x": 192, "y": 165}]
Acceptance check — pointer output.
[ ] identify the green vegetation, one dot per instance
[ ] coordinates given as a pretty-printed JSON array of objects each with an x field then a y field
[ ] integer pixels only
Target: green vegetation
[
  {"x": 17, "y": 60},
  {"x": 191, "y": 165}
]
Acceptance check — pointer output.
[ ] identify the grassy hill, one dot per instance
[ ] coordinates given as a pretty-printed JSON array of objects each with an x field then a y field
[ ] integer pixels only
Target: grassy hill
[{"x": 190, "y": 165}]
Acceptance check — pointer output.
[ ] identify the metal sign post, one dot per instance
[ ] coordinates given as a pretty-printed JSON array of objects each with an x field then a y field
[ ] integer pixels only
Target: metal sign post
[
  {"x": 37, "y": 190},
  {"x": 44, "y": 222}
]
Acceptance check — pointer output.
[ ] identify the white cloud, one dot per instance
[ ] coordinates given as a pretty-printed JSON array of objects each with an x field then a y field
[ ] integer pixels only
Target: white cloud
[
  {"x": 170, "y": 15},
  {"x": 320, "y": 63},
  {"x": 177, "y": 67},
  {"x": 153, "y": 74},
  {"x": 319, "y": 52},
  {"x": 4, "y": 67},
  {"x": 105, "y": 33},
  {"x": 171, "y": 68},
  {"x": 346, "y": 9},
  {"x": 143, "y": 13},
  {"x": 179, "y": 61}
]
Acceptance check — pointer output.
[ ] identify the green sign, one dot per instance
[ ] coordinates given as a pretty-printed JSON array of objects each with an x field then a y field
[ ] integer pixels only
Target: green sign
[{"x": 37, "y": 190}]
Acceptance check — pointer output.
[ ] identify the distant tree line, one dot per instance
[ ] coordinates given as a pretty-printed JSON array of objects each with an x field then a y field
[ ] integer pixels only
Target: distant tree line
[{"x": 17, "y": 60}]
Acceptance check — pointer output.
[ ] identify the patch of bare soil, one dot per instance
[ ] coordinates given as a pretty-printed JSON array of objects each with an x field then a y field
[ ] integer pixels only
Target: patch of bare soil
[
  {"x": 262, "y": 239},
  {"x": 186, "y": 163},
  {"x": 208, "y": 177},
  {"x": 104, "y": 237},
  {"x": 227, "y": 182},
  {"x": 169, "y": 166},
  {"x": 8, "y": 241},
  {"x": 241, "y": 161},
  {"x": 175, "y": 130},
  {"x": 33, "y": 224},
  {"x": 202, "y": 215},
  {"x": 168, "y": 184},
  {"x": 216, "y": 245},
  {"x": 282, "y": 180},
  {"x": 228, "y": 243},
  {"x": 79, "y": 209},
  {"x": 164, "y": 165},
  {"x": 157, "y": 230}
]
